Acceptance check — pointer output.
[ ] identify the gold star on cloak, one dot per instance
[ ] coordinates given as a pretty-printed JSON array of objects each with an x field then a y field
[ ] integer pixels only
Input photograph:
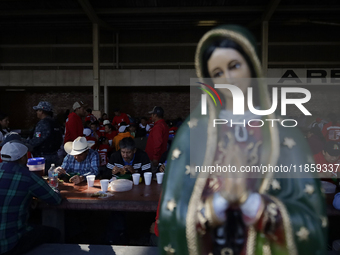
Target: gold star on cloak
[
  {"x": 171, "y": 205},
  {"x": 192, "y": 123},
  {"x": 276, "y": 185},
  {"x": 303, "y": 234},
  {"x": 309, "y": 189},
  {"x": 324, "y": 221},
  {"x": 175, "y": 154},
  {"x": 169, "y": 250},
  {"x": 187, "y": 171},
  {"x": 289, "y": 142}
]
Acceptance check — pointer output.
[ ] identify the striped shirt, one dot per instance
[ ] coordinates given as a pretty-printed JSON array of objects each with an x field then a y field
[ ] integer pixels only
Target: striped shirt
[
  {"x": 17, "y": 188},
  {"x": 140, "y": 162},
  {"x": 88, "y": 166}
]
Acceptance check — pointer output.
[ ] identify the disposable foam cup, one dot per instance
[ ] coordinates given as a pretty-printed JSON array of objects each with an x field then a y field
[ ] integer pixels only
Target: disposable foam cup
[
  {"x": 90, "y": 180},
  {"x": 147, "y": 178},
  {"x": 159, "y": 177},
  {"x": 104, "y": 184},
  {"x": 135, "y": 178}
]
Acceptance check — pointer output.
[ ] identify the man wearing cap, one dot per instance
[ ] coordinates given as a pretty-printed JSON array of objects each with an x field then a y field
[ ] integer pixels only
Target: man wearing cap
[
  {"x": 328, "y": 159},
  {"x": 13, "y": 136},
  {"x": 158, "y": 139},
  {"x": 17, "y": 188},
  {"x": 119, "y": 118},
  {"x": 123, "y": 132},
  {"x": 74, "y": 124},
  {"x": 80, "y": 160},
  {"x": 47, "y": 136}
]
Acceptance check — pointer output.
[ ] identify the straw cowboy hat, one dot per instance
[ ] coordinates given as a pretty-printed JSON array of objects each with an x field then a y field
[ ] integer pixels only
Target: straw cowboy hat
[{"x": 78, "y": 146}]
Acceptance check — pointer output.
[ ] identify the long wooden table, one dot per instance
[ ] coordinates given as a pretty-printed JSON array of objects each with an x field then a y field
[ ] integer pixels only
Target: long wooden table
[{"x": 141, "y": 198}]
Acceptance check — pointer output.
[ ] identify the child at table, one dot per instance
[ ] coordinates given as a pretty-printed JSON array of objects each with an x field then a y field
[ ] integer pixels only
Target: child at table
[{"x": 103, "y": 150}]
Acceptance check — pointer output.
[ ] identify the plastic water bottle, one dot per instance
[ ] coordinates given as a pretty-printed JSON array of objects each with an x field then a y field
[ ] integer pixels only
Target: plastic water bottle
[{"x": 53, "y": 176}]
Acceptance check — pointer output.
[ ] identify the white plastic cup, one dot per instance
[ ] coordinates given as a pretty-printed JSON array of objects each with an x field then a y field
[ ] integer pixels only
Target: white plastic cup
[
  {"x": 147, "y": 178},
  {"x": 135, "y": 178},
  {"x": 104, "y": 184},
  {"x": 159, "y": 177},
  {"x": 90, "y": 180}
]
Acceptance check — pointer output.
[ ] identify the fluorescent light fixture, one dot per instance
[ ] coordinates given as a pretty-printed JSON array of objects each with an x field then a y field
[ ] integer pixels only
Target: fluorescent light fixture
[{"x": 207, "y": 23}]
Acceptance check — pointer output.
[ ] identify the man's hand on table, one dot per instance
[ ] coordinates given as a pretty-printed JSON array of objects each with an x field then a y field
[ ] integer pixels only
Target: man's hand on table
[
  {"x": 129, "y": 168},
  {"x": 117, "y": 170},
  {"x": 60, "y": 170},
  {"x": 162, "y": 168},
  {"x": 77, "y": 179}
]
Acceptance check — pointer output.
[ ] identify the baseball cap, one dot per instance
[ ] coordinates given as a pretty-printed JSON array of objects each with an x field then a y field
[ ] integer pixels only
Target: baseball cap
[
  {"x": 13, "y": 136},
  {"x": 122, "y": 128},
  {"x": 87, "y": 131},
  {"x": 332, "y": 148},
  {"x": 78, "y": 104},
  {"x": 43, "y": 105},
  {"x": 106, "y": 122},
  {"x": 157, "y": 110},
  {"x": 13, "y": 151}
]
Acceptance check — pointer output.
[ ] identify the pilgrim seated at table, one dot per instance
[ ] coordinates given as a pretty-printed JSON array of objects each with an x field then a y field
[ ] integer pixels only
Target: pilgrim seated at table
[
  {"x": 128, "y": 160},
  {"x": 80, "y": 161}
]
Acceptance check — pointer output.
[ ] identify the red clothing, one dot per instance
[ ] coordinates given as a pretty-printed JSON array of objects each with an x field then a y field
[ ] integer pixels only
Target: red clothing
[
  {"x": 101, "y": 131},
  {"x": 158, "y": 140},
  {"x": 90, "y": 118},
  {"x": 173, "y": 130},
  {"x": 73, "y": 128},
  {"x": 119, "y": 119},
  {"x": 157, "y": 216},
  {"x": 103, "y": 151},
  {"x": 93, "y": 140},
  {"x": 320, "y": 159},
  {"x": 111, "y": 135},
  {"x": 331, "y": 132}
]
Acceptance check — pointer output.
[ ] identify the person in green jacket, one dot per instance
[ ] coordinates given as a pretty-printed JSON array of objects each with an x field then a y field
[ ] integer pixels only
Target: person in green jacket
[{"x": 232, "y": 212}]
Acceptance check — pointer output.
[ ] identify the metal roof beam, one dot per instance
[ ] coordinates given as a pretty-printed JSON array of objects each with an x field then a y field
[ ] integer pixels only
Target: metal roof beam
[
  {"x": 92, "y": 15},
  {"x": 169, "y": 10},
  {"x": 270, "y": 10}
]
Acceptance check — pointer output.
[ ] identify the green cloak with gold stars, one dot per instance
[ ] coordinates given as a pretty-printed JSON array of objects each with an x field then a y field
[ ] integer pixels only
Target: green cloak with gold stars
[{"x": 299, "y": 205}]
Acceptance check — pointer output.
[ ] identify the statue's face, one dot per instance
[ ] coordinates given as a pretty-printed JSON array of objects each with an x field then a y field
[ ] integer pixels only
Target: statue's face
[{"x": 227, "y": 66}]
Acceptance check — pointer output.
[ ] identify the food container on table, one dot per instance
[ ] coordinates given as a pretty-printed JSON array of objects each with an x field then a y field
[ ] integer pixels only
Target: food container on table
[
  {"x": 36, "y": 165},
  {"x": 120, "y": 185}
]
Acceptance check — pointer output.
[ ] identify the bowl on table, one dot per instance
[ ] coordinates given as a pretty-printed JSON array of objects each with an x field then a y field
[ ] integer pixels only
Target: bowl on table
[
  {"x": 68, "y": 176},
  {"x": 120, "y": 185}
]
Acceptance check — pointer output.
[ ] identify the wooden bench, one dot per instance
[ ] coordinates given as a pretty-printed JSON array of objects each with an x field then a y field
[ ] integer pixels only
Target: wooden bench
[{"x": 88, "y": 249}]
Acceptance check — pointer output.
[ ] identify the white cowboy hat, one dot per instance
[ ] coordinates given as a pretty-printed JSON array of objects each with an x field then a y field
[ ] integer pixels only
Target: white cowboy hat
[{"x": 78, "y": 146}]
